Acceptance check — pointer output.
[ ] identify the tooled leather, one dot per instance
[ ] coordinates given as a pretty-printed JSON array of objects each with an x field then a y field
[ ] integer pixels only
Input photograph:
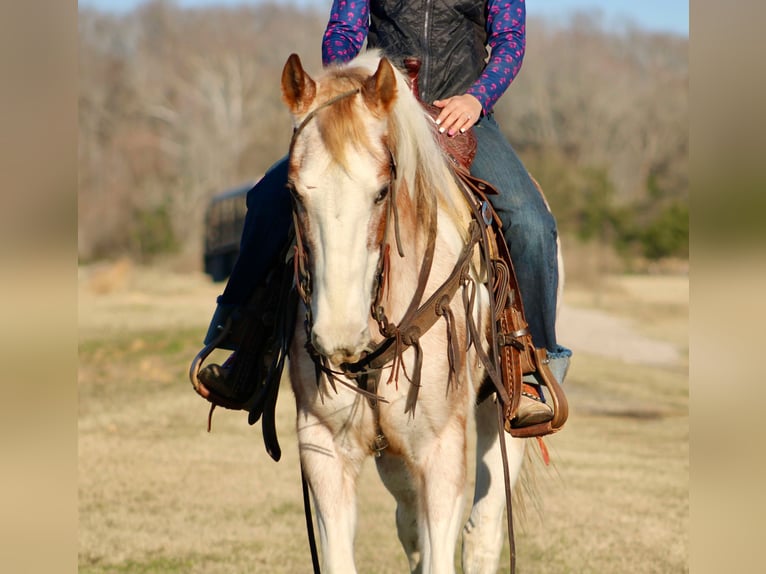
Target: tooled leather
[{"x": 510, "y": 319}]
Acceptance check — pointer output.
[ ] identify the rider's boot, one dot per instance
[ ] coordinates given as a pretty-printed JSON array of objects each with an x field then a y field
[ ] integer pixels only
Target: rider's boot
[
  {"x": 532, "y": 406},
  {"x": 216, "y": 377}
]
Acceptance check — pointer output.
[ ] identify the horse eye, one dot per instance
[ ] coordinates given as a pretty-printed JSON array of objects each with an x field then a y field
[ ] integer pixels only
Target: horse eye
[{"x": 382, "y": 194}]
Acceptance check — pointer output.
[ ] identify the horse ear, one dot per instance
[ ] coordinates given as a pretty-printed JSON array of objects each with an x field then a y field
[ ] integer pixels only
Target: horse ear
[
  {"x": 298, "y": 89},
  {"x": 379, "y": 90}
]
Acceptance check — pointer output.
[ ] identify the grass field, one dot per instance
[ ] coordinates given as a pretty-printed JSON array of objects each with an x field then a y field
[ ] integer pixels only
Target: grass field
[{"x": 158, "y": 494}]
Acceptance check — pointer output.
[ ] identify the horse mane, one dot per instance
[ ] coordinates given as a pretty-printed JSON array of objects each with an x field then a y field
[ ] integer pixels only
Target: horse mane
[{"x": 421, "y": 164}]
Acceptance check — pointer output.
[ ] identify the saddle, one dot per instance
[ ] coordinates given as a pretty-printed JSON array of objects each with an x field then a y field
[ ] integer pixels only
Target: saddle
[{"x": 460, "y": 148}]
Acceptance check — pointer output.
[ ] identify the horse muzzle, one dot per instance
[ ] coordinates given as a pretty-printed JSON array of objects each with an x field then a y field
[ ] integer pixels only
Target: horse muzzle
[{"x": 339, "y": 350}]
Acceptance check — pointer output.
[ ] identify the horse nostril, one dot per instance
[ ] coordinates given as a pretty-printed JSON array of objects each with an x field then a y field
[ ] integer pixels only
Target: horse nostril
[
  {"x": 337, "y": 356},
  {"x": 337, "y": 350},
  {"x": 342, "y": 356}
]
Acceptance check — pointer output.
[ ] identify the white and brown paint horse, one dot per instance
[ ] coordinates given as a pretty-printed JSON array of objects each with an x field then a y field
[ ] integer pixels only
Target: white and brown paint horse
[{"x": 363, "y": 142}]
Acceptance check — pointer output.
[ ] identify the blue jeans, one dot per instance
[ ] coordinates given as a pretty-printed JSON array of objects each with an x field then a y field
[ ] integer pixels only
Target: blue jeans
[{"x": 529, "y": 228}]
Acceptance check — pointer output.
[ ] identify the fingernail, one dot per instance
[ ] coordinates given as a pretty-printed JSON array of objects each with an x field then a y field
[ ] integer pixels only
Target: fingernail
[
  {"x": 441, "y": 130},
  {"x": 438, "y": 122},
  {"x": 451, "y": 132},
  {"x": 462, "y": 130}
]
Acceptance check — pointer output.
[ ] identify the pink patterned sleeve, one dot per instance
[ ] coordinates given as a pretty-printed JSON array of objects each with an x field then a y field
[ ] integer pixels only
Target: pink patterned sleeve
[
  {"x": 506, "y": 24},
  {"x": 346, "y": 31}
]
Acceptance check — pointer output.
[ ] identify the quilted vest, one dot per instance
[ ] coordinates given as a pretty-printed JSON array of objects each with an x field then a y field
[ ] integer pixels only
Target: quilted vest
[{"x": 448, "y": 36}]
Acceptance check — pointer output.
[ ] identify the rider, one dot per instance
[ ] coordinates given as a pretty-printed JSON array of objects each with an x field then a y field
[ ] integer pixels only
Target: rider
[{"x": 452, "y": 39}]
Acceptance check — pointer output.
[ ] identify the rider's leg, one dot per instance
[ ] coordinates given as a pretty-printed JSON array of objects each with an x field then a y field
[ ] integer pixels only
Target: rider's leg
[
  {"x": 528, "y": 226},
  {"x": 264, "y": 234},
  {"x": 530, "y": 231}
]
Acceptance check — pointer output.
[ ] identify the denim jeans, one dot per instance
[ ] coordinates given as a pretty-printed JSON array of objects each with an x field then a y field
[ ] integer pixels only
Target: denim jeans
[
  {"x": 267, "y": 221},
  {"x": 529, "y": 228}
]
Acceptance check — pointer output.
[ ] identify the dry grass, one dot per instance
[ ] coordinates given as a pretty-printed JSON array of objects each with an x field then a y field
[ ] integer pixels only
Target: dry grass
[{"x": 160, "y": 495}]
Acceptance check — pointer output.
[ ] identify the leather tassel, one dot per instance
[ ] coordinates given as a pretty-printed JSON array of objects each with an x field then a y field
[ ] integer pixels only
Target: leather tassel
[
  {"x": 394, "y": 376},
  {"x": 330, "y": 377},
  {"x": 412, "y": 395},
  {"x": 210, "y": 417},
  {"x": 544, "y": 451},
  {"x": 453, "y": 352},
  {"x": 468, "y": 306}
]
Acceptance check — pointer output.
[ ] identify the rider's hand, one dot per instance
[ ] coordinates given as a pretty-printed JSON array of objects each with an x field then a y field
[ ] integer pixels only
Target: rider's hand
[{"x": 458, "y": 113}]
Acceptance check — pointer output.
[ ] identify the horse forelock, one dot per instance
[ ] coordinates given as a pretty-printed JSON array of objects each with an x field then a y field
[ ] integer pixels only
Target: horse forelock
[{"x": 341, "y": 125}]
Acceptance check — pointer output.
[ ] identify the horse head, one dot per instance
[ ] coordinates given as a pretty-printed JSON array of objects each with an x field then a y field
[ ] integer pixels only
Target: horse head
[{"x": 341, "y": 171}]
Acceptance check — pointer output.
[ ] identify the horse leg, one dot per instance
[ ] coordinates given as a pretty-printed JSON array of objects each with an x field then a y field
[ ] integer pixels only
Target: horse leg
[
  {"x": 442, "y": 475},
  {"x": 331, "y": 473},
  {"x": 483, "y": 533},
  {"x": 397, "y": 479}
]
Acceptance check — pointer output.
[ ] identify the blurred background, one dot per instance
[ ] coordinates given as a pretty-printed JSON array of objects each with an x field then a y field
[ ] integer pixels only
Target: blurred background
[{"x": 180, "y": 101}]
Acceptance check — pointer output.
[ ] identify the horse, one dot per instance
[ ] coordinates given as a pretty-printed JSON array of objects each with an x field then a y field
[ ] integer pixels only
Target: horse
[{"x": 381, "y": 226}]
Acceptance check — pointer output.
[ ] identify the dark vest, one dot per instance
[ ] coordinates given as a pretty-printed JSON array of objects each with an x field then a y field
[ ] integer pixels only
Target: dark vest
[{"x": 448, "y": 36}]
